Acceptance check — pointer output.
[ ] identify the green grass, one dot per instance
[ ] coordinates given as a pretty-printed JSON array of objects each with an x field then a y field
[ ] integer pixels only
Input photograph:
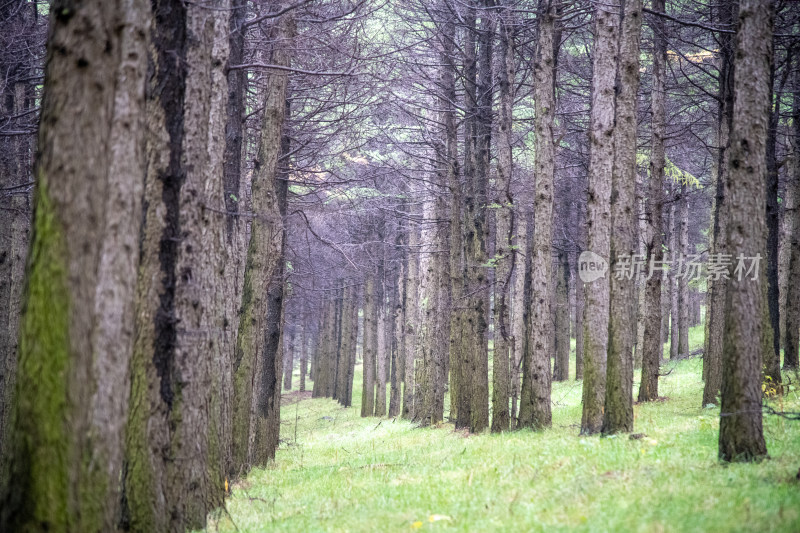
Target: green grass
[{"x": 336, "y": 471}]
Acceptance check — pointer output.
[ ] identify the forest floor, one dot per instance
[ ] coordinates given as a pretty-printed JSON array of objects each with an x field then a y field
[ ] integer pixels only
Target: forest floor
[{"x": 336, "y": 471}]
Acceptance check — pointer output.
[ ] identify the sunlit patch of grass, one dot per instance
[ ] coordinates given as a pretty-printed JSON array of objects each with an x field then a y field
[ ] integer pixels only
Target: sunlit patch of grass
[{"x": 347, "y": 473}]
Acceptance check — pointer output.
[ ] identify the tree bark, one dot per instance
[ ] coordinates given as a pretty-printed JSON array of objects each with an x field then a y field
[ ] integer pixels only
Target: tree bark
[
  {"x": 652, "y": 349},
  {"x": 618, "y": 412},
  {"x": 683, "y": 280},
  {"x": 411, "y": 323},
  {"x": 791, "y": 355},
  {"x": 288, "y": 362},
  {"x": 66, "y": 445},
  {"x": 175, "y": 449},
  {"x": 15, "y": 211},
  {"x": 716, "y": 311},
  {"x": 304, "y": 355},
  {"x": 772, "y": 355},
  {"x": 469, "y": 343},
  {"x": 506, "y": 227},
  {"x": 674, "y": 276},
  {"x": 370, "y": 345},
  {"x": 561, "y": 362},
  {"x": 601, "y": 164},
  {"x": 534, "y": 410},
  {"x": 381, "y": 359},
  {"x": 740, "y": 433},
  {"x": 255, "y": 365}
]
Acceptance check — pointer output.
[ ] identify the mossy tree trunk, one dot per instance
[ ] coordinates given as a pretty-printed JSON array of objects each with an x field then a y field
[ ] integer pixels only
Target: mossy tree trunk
[
  {"x": 177, "y": 429},
  {"x": 75, "y": 342},
  {"x": 256, "y": 362}
]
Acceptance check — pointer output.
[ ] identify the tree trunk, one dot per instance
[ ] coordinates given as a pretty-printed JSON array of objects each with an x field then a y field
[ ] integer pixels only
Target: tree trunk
[
  {"x": 716, "y": 311},
  {"x": 683, "y": 279},
  {"x": 175, "y": 455},
  {"x": 580, "y": 292},
  {"x": 618, "y": 413},
  {"x": 674, "y": 277},
  {"x": 370, "y": 347},
  {"x": 791, "y": 356},
  {"x": 396, "y": 327},
  {"x": 534, "y": 410},
  {"x": 652, "y": 349},
  {"x": 411, "y": 323},
  {"x": 305, "y": 338},
  {"x": 561, "y": 363},
  {"x": 469, "y": 348},
  {"x": 601, "y": 164},
  {"x": 787, "y": 232},
  {"x": 381, "y": 359},
  {"x": 15, "y": 210},
  {"x": 66, "y": 445},
  {"x": 740, "y": 433},
  {"x": 505, "y": 220},
  {"x": 263, "y": 281},
  {"x": 772, "y": 355},
  {"x": 288, "y": 361}
]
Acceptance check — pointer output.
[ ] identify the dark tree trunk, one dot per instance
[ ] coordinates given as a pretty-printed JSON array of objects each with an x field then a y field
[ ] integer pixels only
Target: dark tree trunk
[
  {"x": 791, "y": 355},
  {"x": 712, "y": 360}
]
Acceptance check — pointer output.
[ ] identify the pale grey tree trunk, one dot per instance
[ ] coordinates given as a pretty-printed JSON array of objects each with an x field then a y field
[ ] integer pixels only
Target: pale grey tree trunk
[
  {"x": 505, "y": 229},
  {"x": 370, "y": 347},
  {"x": 683, "y": 282},
  {"x": 618, "y": 412},
  {"x": 674, "y": 281},
  {"x": 601, "y": 165},
  {"x": 741, "y": 435},
  {"x": 534, "y": 410},
  {"x": 66, "y": 444}
]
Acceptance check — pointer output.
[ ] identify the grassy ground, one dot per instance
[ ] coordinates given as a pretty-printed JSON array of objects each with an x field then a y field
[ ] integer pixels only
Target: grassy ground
[{"x": 336, "y": 471}]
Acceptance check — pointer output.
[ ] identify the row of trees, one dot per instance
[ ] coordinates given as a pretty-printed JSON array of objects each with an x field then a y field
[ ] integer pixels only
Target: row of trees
[
  {"x": 491, "y": 102},
  {"x": 148, "y": 370}
]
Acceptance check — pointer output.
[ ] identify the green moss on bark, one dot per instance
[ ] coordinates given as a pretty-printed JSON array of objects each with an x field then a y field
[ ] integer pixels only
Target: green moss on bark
[{"x": 41, "y": 471}]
